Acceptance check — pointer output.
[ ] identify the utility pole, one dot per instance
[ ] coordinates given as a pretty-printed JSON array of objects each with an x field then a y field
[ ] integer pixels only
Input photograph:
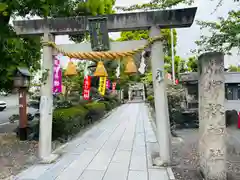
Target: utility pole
[{"x": 173, "y": 61}]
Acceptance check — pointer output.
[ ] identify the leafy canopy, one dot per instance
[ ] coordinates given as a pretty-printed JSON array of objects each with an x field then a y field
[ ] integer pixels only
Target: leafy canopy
[
  {"x": 16, "y": 51},
  {"x": 225, "y": 34}
]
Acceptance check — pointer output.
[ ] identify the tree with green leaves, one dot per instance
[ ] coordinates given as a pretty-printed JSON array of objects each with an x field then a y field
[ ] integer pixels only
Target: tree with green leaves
[
  {"x": 144, "y": 34},
  {"x": 162, "y": 4},
  {"x": 192, "y": 65},
  {"x": 74, "y": 83},
  {"x": 25, "y": 51},
  {"x": 225, "y": 34},
  {"x": 155, "y": 4}
]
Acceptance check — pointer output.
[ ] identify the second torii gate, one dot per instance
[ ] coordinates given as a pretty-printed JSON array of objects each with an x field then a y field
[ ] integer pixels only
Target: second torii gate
[{"x": 153, "y": 20}]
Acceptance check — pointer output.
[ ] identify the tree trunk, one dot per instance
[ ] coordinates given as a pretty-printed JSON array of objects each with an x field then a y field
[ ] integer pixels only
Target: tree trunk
[{"x": 212, "y": 148}]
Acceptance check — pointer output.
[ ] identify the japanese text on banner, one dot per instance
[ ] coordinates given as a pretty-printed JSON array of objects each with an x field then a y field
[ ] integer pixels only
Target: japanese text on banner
[
  {"x": 57, "y": 76},
  {"x": 86, "y": 87},
  {"x": 102, "y": 85}
]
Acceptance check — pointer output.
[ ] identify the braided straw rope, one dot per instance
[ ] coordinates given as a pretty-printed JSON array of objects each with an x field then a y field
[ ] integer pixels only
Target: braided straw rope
[{"x": 109, "y": 55}]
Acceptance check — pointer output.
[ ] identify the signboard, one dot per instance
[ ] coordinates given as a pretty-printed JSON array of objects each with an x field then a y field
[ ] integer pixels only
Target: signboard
[
  {"x": 102, "y": 85},
  {"x": 86, "y": 87},
  {"x": 57, "y": 76}
]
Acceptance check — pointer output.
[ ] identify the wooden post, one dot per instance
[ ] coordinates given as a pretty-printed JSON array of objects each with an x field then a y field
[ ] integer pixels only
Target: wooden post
[
  {"x": 23, "y": 114},
  {"x": 212, "y": 147},
  {"x": 46, "y": 103}
]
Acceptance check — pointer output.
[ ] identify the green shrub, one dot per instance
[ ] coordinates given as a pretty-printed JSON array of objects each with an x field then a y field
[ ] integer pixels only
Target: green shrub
[
  {"x": 175, "y": 95},
  {"x": 67, "y": 122},
  {"x": 62, "y": 104},
  {"x": 95, "y": 107},
  {"x": 83, "y": 102},
  {"x": 108, "y": 105},
  {"x": 95, "y": 110},
  {"x": 114, "y": 101},
  {"x": 150, "y": 98}
]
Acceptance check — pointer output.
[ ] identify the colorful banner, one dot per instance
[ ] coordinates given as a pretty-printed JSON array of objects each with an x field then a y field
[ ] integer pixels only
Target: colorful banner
[
  {"x": 108, "y": 84},
  {"x": 57, "y": 76},
  {"x": 114, "y": 86},
  {"x": 86, "y": 87},
  {"x": 102, "y": 85},
  {"x": 177, "y": 81}
]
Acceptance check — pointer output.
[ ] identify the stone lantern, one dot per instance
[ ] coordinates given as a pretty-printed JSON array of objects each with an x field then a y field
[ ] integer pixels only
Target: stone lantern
[
  {"x": 22, "y": 83},
  {"x": 22, "y": 78}
]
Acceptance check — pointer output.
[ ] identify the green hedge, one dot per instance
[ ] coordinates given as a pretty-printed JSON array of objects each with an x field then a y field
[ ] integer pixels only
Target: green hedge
[
  {"x": 96, "y": 106},
  {"x": 150, "y": 99},
  {"x": 108, "y": 105},
  {"x": 67, "y": 122},
  {"x": 95, "y": 111}
]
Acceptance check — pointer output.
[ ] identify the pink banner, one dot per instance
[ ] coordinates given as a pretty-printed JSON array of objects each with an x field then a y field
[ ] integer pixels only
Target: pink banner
[
  {"x": 108, "y": 84},
  {"x": 57, "y": 76}
]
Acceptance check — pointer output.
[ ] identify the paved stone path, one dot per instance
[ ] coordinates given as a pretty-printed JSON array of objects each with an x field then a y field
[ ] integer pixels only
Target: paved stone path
[{"x": 118, "y": 148}]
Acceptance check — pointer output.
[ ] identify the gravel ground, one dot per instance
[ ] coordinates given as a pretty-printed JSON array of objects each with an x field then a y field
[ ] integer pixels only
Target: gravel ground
[
  {"x": 186, "y": 160},
  {"x": 15, "y": 155}
]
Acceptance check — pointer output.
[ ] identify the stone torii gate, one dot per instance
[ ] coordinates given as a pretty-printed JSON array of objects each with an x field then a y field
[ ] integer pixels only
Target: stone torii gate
[
  {"x": 153, "y": 20},
  {"x": 137, "y": 87}
]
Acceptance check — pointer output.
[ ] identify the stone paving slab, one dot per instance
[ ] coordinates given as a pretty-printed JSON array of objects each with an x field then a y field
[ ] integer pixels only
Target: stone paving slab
[{"x": 118, "y": 148}]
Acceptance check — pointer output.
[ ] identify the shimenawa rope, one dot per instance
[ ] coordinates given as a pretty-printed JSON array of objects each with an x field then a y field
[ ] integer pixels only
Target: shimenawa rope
[{"x": 108, "y": 55}]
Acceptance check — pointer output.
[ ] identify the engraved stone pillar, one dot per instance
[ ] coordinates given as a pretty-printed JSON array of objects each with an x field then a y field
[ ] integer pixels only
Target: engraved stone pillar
[{"x": 212, "y": 129}]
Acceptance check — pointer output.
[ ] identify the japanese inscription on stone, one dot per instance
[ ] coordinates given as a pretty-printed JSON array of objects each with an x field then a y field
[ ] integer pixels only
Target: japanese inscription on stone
[{"x": 159, "y": 75}]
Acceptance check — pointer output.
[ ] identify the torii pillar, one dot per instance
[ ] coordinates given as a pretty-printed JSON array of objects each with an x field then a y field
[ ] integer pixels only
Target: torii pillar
[{"x": 154, "y": 20}]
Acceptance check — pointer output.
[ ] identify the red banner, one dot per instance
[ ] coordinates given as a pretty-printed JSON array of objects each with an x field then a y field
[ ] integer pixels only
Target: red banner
[
  {"x": 86, "y": 87},
  {"x": 176, "y": 81}
]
